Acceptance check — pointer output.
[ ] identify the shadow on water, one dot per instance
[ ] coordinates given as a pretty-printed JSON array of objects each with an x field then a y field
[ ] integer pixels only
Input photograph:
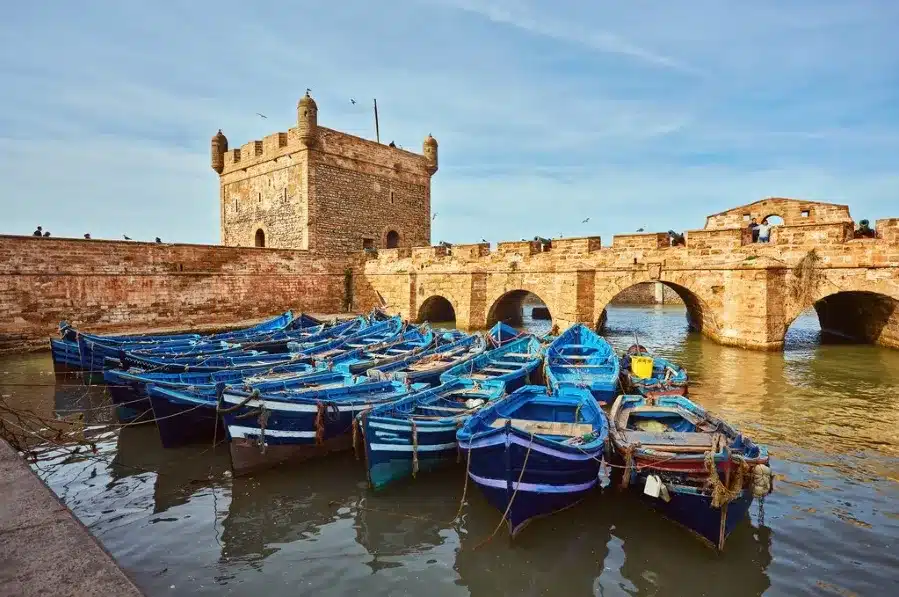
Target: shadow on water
[{"x": 176, "y": 518}]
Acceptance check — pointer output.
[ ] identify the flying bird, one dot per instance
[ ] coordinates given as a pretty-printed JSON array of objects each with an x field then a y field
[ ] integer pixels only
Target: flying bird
[
  {"x": 352, "y": 101},
  {"x": 434, "y": 216},
  {"x": 261, "y": 115},
  {"x": 484, "y": 240},
  {"x": 585, "y": 220},
  {"x": 308, "y": 91},
  {"x": 126, "y": 237}
]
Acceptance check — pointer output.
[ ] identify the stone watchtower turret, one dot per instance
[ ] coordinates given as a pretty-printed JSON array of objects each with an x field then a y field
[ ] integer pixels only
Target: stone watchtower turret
[
  {"x": 429, "y": 149},
  {"x": 307, "y": 119},
  {"x": 315, "y": 188},
  {"x": 219, "y": 146}
]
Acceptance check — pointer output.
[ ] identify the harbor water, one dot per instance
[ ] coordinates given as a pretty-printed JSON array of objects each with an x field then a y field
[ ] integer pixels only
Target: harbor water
[{"x": 180, "y": 524}]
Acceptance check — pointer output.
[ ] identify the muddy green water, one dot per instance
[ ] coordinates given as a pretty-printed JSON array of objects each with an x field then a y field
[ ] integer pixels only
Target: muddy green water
[{"x": 180, "y": 525}]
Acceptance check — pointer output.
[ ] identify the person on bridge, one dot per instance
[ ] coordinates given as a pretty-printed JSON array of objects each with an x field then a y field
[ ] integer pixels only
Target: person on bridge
[
  {"x": 865, "y": 230},
  {"x": 754, "y": 229},
  {"x": 764, "y": 231}
]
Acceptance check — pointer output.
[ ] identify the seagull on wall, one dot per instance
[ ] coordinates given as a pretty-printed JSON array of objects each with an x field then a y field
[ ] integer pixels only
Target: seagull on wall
[
  {"x": 585, "y": 220},
  {"x": 261, "y": 115},
  {"x": 159, "y": 240},
  {"x": 126, "y": 237},
  {"x": 639, "y": 230},
  {"x": 308, "y": 91}
]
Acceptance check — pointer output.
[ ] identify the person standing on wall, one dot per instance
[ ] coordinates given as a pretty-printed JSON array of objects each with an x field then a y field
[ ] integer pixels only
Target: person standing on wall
[
  {"x": 764, "y": 231},
  {"x": 754, "y": 229}
]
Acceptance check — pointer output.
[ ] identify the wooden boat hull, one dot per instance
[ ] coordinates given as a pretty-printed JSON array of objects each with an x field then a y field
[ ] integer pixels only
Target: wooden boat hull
[
  {"x": 496, "y": 465},
  {"x": 132, "y": 404},
  {"x": 527, "y": 474},
  {"x": 580, "y": 358},
  {"x": 183, "y": 423},
  {"x": 248, "y": 457},
  {"x": 520, "y": 372},
  {"x": 693, "y": 510},
  {"x": 689, "y": 451},
  {"x": 298, "y": 420},
  {"x": 389, "y": 449},
  {"x": 418, "y": 433}
]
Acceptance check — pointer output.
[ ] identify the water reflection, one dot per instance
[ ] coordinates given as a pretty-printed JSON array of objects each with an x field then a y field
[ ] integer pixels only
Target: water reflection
[
  {"x": 292, "y": 504},
  {"x": 640, "y": 538},
  {"x": 178, "y": 474}
]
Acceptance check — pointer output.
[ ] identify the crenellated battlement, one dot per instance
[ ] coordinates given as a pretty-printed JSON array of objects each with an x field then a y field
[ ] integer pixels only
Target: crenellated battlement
[{"x": 702, "y": 243}]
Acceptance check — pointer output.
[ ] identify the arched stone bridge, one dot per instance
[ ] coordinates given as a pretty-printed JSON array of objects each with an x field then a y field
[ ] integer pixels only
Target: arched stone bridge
[{"x": 737, "y": 292}]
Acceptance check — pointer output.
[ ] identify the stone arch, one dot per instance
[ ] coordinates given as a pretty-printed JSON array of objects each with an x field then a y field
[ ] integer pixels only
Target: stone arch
[
  {"x": 392, "y": 238},
  {"x": 508, "y": 307},
  {"x": 701, "y": 317},
  {"x": 436, "y": 308},
  {"x": 855, "y": 312},
  {"x": 259, "y": 238}
]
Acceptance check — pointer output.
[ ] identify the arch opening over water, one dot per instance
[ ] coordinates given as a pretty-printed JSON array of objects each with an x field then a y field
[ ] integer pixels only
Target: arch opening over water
[
  {"x": 847, "y": 317},
  {"x": 436, "y": 309},
  {"x": 657, "y": 294},
  {"x": 514, "y": 307}
]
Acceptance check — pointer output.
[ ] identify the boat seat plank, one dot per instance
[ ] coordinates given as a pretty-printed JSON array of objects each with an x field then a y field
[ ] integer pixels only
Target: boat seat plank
[
  {"x": 684, "y": 439},
  {"x": 515, "y": 364},
  {"x": 577, "y": 357},
  {"x": 582, "y": 366},
  {"x": 520, "y": 355},
  {"x": 546, "y": 427},
  {"x": 496, "y": 370}
]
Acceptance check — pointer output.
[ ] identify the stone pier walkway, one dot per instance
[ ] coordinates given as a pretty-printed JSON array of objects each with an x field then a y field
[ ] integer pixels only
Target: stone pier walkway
[{"x": 44, "y": 548}]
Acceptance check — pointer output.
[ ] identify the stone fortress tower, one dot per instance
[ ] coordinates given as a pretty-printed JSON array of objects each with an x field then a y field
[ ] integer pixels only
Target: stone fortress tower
[{"x": 319, "y": 189}]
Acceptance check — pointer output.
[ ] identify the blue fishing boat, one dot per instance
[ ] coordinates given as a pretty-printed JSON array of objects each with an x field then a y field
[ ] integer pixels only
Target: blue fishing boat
[
  {"x": 68, "y": 332},
  {"x": 94, "y": 353},
  {"x": 128, "y": 388},
  {"x": 533, "y": 454},
  {"x": 418, "y": 432},
  {"x": 278, "y": 341},
  {"x": 66, "y": 355},
  {"x": 375, "y": 333},
  {"x": 503, "y": 333},
  {"x": 514, "y": 364},
  {"x": 207, "y": 363},
  {"x": 427, "y": 367},
  {"x": 688, "y": 464},
  {"x": 275, "y": 324},
  {"x": 269, "y": 429},
  {"x": 361, "y": 354},
  {"x": 187, "y": 415},
  {"x": 582, "y": 358},
  {"x": 661, "y": 376}
]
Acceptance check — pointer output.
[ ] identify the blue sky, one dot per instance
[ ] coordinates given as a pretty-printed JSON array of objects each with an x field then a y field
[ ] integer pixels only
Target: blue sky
[{"x": 636, "y": 114}]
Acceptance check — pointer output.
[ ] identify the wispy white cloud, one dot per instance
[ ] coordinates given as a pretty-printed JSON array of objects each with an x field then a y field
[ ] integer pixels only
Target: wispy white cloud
[{"x": 637, "y": 115}]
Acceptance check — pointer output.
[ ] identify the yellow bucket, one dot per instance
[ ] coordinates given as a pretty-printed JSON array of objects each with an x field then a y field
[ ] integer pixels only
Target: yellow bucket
[{"x": 641, "y": 366}]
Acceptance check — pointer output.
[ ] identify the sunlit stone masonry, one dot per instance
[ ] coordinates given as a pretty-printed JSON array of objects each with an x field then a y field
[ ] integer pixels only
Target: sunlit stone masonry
[{"x": 314, "y": 219}]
